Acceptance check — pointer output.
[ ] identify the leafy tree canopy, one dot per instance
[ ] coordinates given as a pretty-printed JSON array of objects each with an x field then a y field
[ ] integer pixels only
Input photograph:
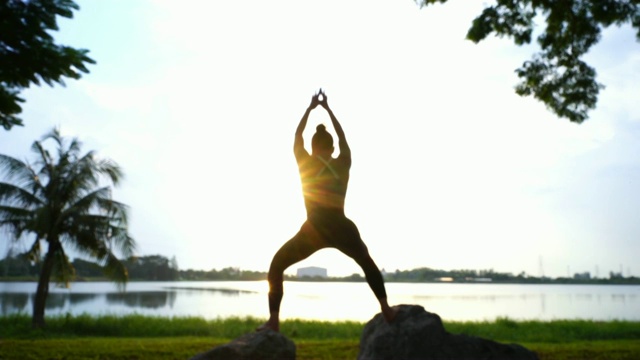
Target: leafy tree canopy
[
  {"x": 556, "y": 75},
  {"x": 28, "y": 54}
]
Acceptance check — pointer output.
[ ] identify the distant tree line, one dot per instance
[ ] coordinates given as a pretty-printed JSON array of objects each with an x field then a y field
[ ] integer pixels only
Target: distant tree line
[
  {"x": 161, "y": 268},
  {"x": 149, "y": 268},
  {"x": 430, "y": 275},
  {"x": 19, "y": 266},
  {"x": 228, "y": 273},
  {"x": 476, "y": 276}
]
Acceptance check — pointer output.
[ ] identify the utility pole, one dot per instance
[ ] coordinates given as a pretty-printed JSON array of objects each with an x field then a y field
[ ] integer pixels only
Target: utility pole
[{"x": 540, "y": 267}]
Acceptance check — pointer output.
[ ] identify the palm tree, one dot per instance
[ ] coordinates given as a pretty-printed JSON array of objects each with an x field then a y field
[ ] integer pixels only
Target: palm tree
[{"x": 62, "y": 200}]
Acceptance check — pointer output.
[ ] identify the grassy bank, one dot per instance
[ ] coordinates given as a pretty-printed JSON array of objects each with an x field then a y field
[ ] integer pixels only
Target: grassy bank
[{"x": 144, "y": 337}]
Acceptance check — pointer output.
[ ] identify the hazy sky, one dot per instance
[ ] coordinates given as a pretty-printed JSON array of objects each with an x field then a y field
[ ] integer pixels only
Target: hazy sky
[{"x": 198, "y": 101}]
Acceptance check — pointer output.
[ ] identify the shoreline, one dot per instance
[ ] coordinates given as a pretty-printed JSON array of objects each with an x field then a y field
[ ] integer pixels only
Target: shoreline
[{"x": 340, "y": 280}]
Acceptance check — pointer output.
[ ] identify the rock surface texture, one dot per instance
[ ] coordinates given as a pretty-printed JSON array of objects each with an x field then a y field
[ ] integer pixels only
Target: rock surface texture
[
  {"x": 418, "y": 334},
  {"x": 259, "y": 345}
]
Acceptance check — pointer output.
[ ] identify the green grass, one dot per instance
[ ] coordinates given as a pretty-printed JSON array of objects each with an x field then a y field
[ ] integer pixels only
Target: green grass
[
  {"x": 148, "y": 337},
  {"x": 557, "y": 331},
  {"x": 19, "y": 327},
  {"x": 185, "y": 347}
]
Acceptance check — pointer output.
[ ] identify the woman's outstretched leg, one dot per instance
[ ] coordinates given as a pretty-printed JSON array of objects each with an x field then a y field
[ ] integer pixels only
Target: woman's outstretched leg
[
  {"x": 376, "y": 283},
  {"x": 351, "y": 244},
  {"x": 293, "y": 251},
  {"x": 276, "y": 291}
]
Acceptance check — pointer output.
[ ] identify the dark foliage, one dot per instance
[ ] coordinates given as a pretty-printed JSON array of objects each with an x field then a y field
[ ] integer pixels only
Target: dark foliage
[
  {"x": 556, "y": 75},
  {"x": 152, "y": 267},
  {"x": 28, "y": 53},
  {"x": 19, "y": 265}
]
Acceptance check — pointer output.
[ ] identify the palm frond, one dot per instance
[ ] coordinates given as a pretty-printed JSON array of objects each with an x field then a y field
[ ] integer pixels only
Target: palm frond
[
  {"x": 115, "y": 270},
  {"x": 35, "y": 252},
  {"x": 10, "y": 165},
  {"x": 15, "y": 220},
  {"x": 121, "y": 240},
  {"x": 63, "y": 270},
  {"x": 55, "y": 135},
  {"x": 79, "y": 177},
  {"x": 117, "y": 211},
  {"x": 8, "y": 213},
  {"x": 15, "y": 195},
  {"x": 16, "y": 171},
  {"x": 88, "y": 234},
  {"x": 96, "y": 235},
  {"x": 44, "y": 156},
  {"x": 112, "y": 170},
  {"x": 86, "y": 244},
  {"x": 74, "y": 147},
  {"x": 87, "y": 202}
]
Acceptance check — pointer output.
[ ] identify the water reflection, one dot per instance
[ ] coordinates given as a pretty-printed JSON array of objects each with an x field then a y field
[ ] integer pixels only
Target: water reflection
[
  {"x": 148, "y": 300},
  {"x": 62, "y": 300},
  {"x": 222, "y": 291},
  {"x": 22, "y": 302},
  {"x": 77, "y": 299},
  {"x": 472, "y": 297},
  {"x": 618, "y": 298},
  {"x": 13, "y": 303},
  {"x": 326, "y": 301},
  {"x": 56, "y": 300}
]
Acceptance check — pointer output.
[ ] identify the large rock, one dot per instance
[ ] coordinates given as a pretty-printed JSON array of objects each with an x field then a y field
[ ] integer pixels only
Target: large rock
[
  {"x": 259, "y": 345},
  {"x": 418, "y": 334}
]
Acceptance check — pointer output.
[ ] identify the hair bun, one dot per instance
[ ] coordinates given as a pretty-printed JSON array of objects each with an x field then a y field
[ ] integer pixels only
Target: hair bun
[{"x": 321, "y": 140}]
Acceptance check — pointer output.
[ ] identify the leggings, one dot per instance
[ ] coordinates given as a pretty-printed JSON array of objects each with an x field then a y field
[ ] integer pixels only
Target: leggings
[{"x": 318, "y": 232}]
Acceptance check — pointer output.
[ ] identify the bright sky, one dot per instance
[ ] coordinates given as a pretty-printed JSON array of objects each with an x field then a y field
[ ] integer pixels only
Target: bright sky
[{"x": 198, "y": 101}]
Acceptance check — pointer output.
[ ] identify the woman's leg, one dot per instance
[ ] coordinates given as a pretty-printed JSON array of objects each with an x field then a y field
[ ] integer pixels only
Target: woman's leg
[
  {"x": 301, "y": 246},
  {"x": 376, "y": 283},
  {"x": 351, "y": 244}
]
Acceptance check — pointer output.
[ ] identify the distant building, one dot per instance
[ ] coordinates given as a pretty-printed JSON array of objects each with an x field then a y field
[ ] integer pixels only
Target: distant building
[
  {"x": 384, "y": 273},
  {"x": 478, "y": 279},
  {"x": 582, "y": 276},
  {"x": 312, "y": 271}
]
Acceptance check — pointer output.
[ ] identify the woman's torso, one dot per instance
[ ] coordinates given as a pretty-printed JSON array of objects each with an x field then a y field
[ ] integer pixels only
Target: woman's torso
[{"x": 324, "y": 183}]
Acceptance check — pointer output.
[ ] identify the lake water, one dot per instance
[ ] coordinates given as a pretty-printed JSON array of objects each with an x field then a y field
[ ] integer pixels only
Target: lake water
[{"x": 332, "y": 301}]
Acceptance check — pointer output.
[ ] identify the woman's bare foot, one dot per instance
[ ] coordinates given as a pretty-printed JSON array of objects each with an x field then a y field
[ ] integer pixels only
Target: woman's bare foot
[
  {"x": 272, "y": 324},
  {"x": 389, "y": 313}
]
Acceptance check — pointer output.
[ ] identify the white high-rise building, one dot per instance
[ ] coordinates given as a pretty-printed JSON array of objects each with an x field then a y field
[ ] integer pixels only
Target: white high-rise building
[{"x": 312, "y": 271}]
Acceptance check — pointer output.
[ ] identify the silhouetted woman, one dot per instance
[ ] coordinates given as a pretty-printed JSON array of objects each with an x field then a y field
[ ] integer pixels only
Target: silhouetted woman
[{"x": 324, "y": 186}]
